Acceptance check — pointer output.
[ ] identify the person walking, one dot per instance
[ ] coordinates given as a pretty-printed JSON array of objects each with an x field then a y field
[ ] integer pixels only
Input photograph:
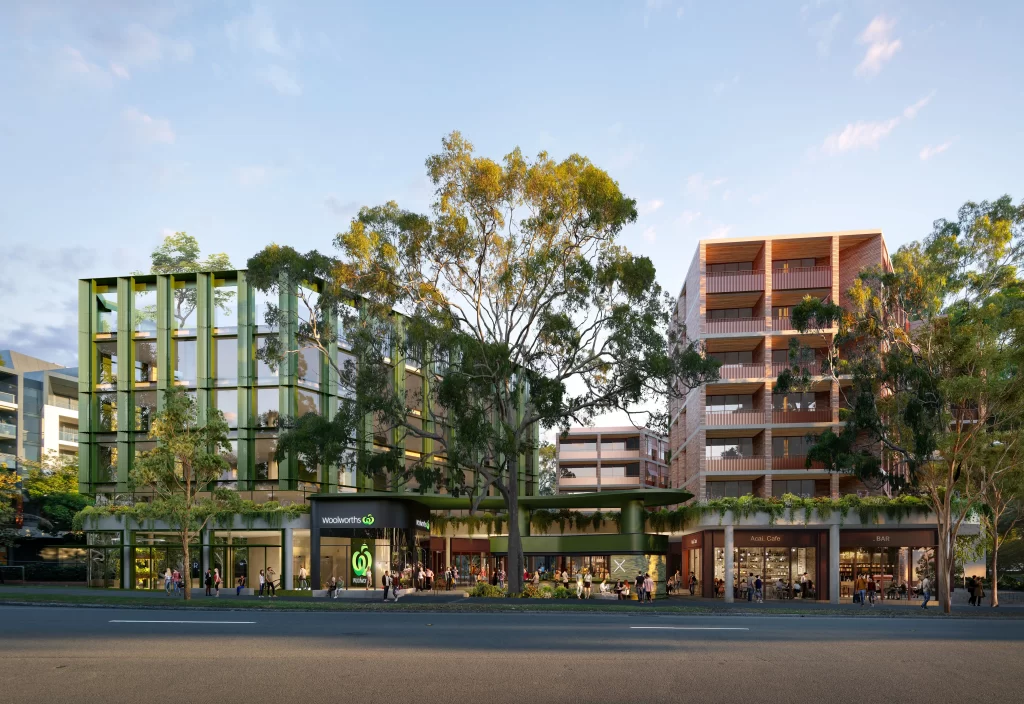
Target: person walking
[
  {"x": 565, "y": 579},
  {"x": 979, "y": 590},
  {"x": 396, "y": 583},
  {"x": 588, "y": 583},
  {"x": 860, "y": 586},
  {"x": 970, "y": 584},
  {"x": 240, "y": 585},
  {"x": 271, "y": 586},
  {"x": 167, "y": 581},
  {"x": 176, "y": 579},
  {"x": 303, "y": 578},
  {"x": 693, "y": 584},
  {"x": 263, "y": 583},
  {"x": 648, "y": 587},
  {"x": 536, "y": 578},
  {"x": 208, "y": 581},
  {"x": 638, "y": 584},
  {"x": 926, "y": 592},
  {"x": 759, "y": 590},
  {"x": 872, "y": 589},
  {"x": 216, "y": 580},
  {"x": 501, "y": 578},
  {"x": 385, "y": 582}
]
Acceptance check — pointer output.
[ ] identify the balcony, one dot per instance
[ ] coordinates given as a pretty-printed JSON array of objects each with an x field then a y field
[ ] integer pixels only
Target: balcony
[
  {"x": 63, "y": 402},
  {"x": 8, "y": 400},
  {"x": 619, "y": 454},
  {"x": 566, "y": 482},
  {"x": 734, "y": 418},
  {"x": 741, "y": 371},
  {"x": 819, "y": 416},
  {"x": 8, "y": 459},
  {"x": 620, "y": 481},
  {"x": 802, "y": 277},
  {"x": 735, "y": 464},
  {"x": 794, "y": 462},
  {"x": 734, "y": 281},
  {"x": 8, "y": 430},
  {"x": 814, "y": 368},
  {"x": 67, "y": 435},
  {"x": 734, "y": 325}
]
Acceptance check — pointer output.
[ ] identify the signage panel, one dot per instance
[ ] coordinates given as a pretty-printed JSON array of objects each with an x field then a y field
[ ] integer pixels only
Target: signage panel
[
  {"x": 915, "y": 538},
  {"x": 362, "y": 561},
  {"x": 351, "y": 514},
  {"x": 775, "y": 538}
]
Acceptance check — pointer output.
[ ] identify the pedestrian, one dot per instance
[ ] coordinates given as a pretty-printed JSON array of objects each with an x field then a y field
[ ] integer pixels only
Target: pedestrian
[
  {"x": 167, "y": 581},
  {"x": 395, "y": 584},
  {"x": 648, "y": 587},
  {"x": 759, "y": 590},
  {"x": 979, "y": 591},
  {"x": 385, "y": 582},
  {"x": 588, "y": 583},
  {"x": 639, "y": 585},
  {"x": 693, "y": 584},
  {"x": 618, "y": 590},
  {"x": 565, "y": 579},
  {"x": 216, "y": 580},
  {"x": 240, "y": 586},
  {"x": 970, "y": 589},
  {"x": 263, "y": 583},
  {"x": 750, "y": 586},
  {"x": 176, "y": 579},
  {"x": 208, "y": 581},
  {"x": 860, "y": 586},
  {"x": 872, "y": 589},
  {"x": 271, "y": 585},
  {"x": 926, "y": 592},
  {"x": 303, "y": 578},
  {"x": 501, "y": 578},
  {"x": 332, "y": 588},
  {"x": 536, "y": 578}
]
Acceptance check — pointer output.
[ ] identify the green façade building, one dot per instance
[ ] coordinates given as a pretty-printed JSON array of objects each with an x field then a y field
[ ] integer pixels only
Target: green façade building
[{"x": 141, "y": 335}]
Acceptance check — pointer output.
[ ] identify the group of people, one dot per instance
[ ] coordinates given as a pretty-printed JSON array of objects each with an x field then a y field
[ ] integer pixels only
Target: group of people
[
  {"x": 173, "y": 584},
  {"x": 865, "y": 590},
  {"x": 643, "y": 585},
  {"x": 754, "y": 588},
  {"x": 976, "y": 588},
  {"x": 675, "y": 583}
]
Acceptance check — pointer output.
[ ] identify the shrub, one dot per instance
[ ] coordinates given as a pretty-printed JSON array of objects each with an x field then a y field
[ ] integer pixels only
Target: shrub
[
  {"x": 562, "y": 593},
  {"x": 483, "y": 589}
]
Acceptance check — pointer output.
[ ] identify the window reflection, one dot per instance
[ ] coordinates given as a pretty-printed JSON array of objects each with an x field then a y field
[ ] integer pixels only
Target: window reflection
[
  {"x": 225, "y": 306},
  {"x": 309, "y": 366},
  {"x": 225, "y": 354},
  {"x": 231, "y": 457},
  {"x": 145, "y": 409},
  {"x": 226, "y": 401},
  {"x": 106, "y": 309},
  {"x": 145, "y": 362},
  {"x": 265, "y": 303},
  {"x": 145, "y": 309},
  {"x": 107, "y": 462},
  {"x": 307, "y": 402},
  {"x": 264, "y": 373},
  {"x": 106, "y": 405},
  {"x": 266, "y": 465},
  {"x": 267, "y": 407},
  {"x": 185, "y": 304},
  {"x": 106, "y": 363},
  {"x": 185, "y": 369}
]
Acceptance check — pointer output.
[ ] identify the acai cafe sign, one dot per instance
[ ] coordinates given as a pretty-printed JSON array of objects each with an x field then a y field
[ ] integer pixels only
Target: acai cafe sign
[{"x": 362, "y": 562}]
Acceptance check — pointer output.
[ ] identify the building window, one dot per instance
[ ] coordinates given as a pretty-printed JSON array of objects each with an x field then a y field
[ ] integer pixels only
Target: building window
[
  {"x": 578, "y": 445},
  {"x": 796, "y": 446},
  {"x": 185, "y": 369},
  {"x": 728, "y": 448},
  {"x": 226, "y": 401},
  {"x": 730, "y": 490},
  {"x": 787, "y": 264},
  {"x": 144, "y": 315},
  {"x": 106, "y": 405},
  {"x": 265, "y": 374},
  {"x": 266, "y": 465},
  {"x": 740, "y": 357},
  {"x": 726, "y": 313},
  {"x": 583, "y": 471},
  {"x": 231, "y": 457},
  {"x": 106, "y": 310},
  {"x": 106, "y": 364},
  {"x": 107, "y": 462},
  {"x": 309, "y": 366},
  {"x": 306, "y": 402},
  {"x": 225, "y": 359},
  {"x": 225, "y": 306},
  {"x": 145, "y": 362},
  {"x": 267, "y": 407},
  {"x": 797, "y": 487},
  {"x": 184, "y": 307},
  {"x": 145, "y": 409},
  {"x": 729, "y": 267},
  {"x": 265, "y": 302},
  {"x": 414, "y": 393},
  {"x": 794, "y": 402},
  {"x": 729, "y": 403}
]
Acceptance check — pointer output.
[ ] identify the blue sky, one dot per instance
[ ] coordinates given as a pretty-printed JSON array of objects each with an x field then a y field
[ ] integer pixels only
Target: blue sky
[{"x": 248, "y": 123}]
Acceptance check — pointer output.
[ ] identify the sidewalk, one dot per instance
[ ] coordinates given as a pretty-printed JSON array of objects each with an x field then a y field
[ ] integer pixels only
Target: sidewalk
[{"x": 199, "y": 594}]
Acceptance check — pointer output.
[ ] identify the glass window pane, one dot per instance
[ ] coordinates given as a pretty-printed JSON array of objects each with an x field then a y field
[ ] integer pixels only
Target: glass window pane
[
  {"x": 106, "y": 309},
  {"x": 264, "y": 374},
  {"x": 184, "y": 307},
  {"x": 267, "y": 405},
  {"x": 306, "y": 402},
  {"x": 266, "y": 465},
  {"x": 225, "y": 354},
  {"x": 106, "y": 405},
  {"x": 226, "y": 401},
  {"x": 145, "y": 362},
  {"x": 107, "y": 462},
  {"x": 264, "y": 301},
  {"x": 225, "y": 306},
  {"x": 145, "y": 308},
  {"x": 309, "y": 366},
  {"x": 185, "y": 369},
  {"x": 145, "y": 409},
  {"x": 106, "y": 363},
  {"x": 231, "y": 456}
]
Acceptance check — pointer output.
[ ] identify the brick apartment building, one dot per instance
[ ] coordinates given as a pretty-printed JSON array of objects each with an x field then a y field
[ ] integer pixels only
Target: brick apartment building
[
  {"x": 611, "y": 459},
  {"x": 735, "y": 437}
]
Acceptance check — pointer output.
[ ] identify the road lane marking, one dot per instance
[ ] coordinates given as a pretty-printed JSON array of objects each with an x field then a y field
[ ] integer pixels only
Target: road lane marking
[
  {"x": 211, "y": 622},
  {"x": 688, "y": 628}
]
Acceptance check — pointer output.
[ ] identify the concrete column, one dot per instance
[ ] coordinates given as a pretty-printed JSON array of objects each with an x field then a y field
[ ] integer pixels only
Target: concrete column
[
  {"x": 833, "y": 486},
  {"x": 833, "y": 563},
  {"x": 205, "y": 538},
  {"x": 126, "y": 560},
  {"x": 286, "y": 558},
  {"x": 728, "y": 562}
]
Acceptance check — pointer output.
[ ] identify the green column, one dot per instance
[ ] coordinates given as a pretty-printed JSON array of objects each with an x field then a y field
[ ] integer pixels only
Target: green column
[
  {"x": 86, "y": 366},
  {"x": 204, "y": 344},
  {"x": 287, "y": 377},
  {"x": 164, "y": 347},
  {"x": 632, "y": 517},
  {"x": 125, "y": 372},
  {"x": 246, "y": 381}
]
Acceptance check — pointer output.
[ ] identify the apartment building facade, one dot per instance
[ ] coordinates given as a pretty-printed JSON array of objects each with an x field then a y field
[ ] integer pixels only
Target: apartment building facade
[
  {"x": 737, "y": 436},
  {"x": 38, "y": 408},
  {"x": 611, "y": 459}
]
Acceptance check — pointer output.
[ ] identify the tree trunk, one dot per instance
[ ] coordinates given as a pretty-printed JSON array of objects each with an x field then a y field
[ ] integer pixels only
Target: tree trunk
[
  {"x": 995, "y": 567},
  {"x": 942, "y": 568},
  {"x": 515, "y": 541}
]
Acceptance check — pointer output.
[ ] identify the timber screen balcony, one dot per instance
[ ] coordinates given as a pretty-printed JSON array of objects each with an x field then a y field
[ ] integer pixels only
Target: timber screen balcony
[
  {"x": 794, "y": 462},
  {"x": 734, "y": 281},
  {"x": 741, "y": 371},
  {"x": 726, "y": 325},
  {"x": 813, "y": 369},
  {"x": 734, "y": 418},
  {"x": 735, "y": 464},
  {"x": 800, "y": 277},
  {"x": 818, "y": 416}
]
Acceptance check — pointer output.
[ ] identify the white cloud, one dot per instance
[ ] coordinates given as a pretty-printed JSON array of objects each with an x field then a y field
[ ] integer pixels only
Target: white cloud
[
  {"x": 119, "y": 71},
  {"x": 881, "y": 45},
  {"x": 824, "y": 31},
  {"x": 650, "y": 234},
  {"x": 679, "y": 13},
  {"x": 687, "y": 217},
  {"x": 71, "y": 62},
  {"x": 150, "y": 129},
  {"x": 929, "y": 151},
  {"x": 252, "y": 175},
  {"x": 341, "y": 208},
  {"x": 699, "y": 187},
  {"x": 255, "y": 31},
  {"x": 651, "y": 206},
  {"x": 861, "y": 135},
  {"x": 910, "y": 112},
  {"x": 283, "y": 81}
]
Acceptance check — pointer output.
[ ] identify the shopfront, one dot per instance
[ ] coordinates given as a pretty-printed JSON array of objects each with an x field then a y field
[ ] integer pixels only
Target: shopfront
[
  {"x": 897, "y": 560},
  {"x": 355, "y": 541}
]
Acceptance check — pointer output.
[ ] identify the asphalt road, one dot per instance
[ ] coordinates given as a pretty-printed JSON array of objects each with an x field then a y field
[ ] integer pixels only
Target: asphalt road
[{"x": 118, "y": 655}]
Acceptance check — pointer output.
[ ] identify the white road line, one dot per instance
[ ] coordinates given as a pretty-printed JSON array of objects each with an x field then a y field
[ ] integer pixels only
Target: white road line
[
  {"x": 211, "y": 622},
  {"x": 688, "y": 628}
]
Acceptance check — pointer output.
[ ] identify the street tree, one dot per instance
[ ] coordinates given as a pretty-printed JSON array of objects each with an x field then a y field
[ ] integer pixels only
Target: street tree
[
  {"x": 547, "y": 477},
  {"x": 1002, "y": 496},
  {"x": 187, "y": 459},
  {"x": 515, "y": 289},
  {"x": 933, "y": 349},
  {"x": 180, "y": 253},
  {"x": 52, "y": 484}
]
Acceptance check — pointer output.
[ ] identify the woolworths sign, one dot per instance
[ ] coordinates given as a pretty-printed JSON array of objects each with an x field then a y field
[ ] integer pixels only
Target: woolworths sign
[
  {"x": 362, "y": 562},
  {"x": 354, "y": 521}
]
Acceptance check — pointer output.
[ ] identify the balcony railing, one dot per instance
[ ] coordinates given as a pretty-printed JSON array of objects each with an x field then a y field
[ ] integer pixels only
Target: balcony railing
[
  {"x": 8, "y": 430},
  {"x": 783, "y": 322},
  {"x": 68, "y": 435},
  {"x": 8, "y": 459},
  {"x": 735, "y": 464},
  {"x": 803, "y": 277},
  {"x": 741, "y": 371},
  {"x": 814, "y": 368},
  {"x": 8, "y": 398},
  {"x": 620, "y": 481},
  {"x": 728, "y": 325},
  {"x": 578, "y": 481},
  {"x": 64, "y": 402},
  {"x": 734, "y": 418},
  {"x": 734, "y": 281},
  {"x": 794, "y": 462},
  {"x": 817, "y": 416}
]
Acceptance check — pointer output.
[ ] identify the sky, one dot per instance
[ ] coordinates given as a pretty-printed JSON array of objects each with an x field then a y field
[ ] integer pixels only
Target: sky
[{"x": 245, "y": 124}]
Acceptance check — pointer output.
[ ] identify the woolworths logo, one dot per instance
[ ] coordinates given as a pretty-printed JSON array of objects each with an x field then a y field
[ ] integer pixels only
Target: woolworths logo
[
  {"x": 362, "y": 560},
  {"x": 366, "y": 520}
]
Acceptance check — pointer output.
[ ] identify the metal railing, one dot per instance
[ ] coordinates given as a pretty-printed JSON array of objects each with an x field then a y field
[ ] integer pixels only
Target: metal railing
[
  {"x": 8, "y": 429},
  {"x": 7, "y": 398},
  {"x": 794, "y": 462},
  {"x": 732, "y": 325},
  {"x": 802, "y": 277},
  {"x": 68, "y": 435},
  {"x": 816, "y": 416},
  {"x": 734, "y": 281},
  {"x": 735, "y": 464},
  {"x": 63, "y": 402},
  {"x": 734, "y": 418}
]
